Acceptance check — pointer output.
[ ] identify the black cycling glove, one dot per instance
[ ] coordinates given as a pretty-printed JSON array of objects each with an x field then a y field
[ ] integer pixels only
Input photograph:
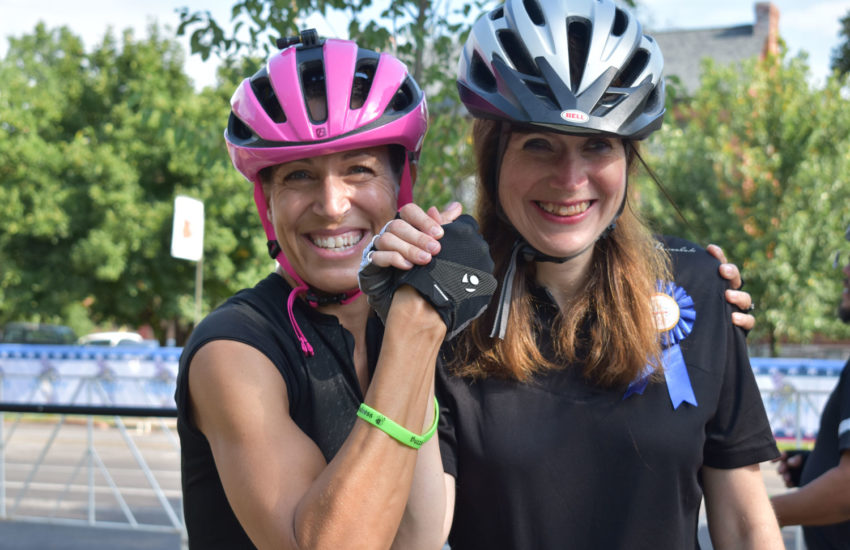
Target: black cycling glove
[{"x": 458, "y": 282}]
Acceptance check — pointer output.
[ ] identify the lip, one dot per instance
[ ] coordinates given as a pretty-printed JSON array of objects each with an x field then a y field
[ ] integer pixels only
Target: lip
[{"x": 565, "y": 220}]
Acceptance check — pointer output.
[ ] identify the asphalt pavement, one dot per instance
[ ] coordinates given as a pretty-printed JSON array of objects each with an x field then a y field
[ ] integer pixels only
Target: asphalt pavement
[{"x": 15, "y": 535}]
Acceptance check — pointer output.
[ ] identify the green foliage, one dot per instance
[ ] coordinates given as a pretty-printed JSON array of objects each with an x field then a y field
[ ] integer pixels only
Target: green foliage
[
  {"x": 93, "y": 149},
  {"x": 841, "y": 53},
  {"x": 758, "y": 161}
]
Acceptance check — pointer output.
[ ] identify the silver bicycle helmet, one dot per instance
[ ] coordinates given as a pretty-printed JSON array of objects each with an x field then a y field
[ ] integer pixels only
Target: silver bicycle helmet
[{"x": 573, "y": 66}]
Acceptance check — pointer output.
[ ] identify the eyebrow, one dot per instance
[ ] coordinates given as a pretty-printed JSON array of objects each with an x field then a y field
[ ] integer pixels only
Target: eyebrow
[
  {"x": 358, "y": 152},
  {"x": 347, "y": 155}
]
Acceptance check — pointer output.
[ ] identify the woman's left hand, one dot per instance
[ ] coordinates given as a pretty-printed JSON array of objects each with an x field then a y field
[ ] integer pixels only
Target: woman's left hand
[
  {"x": 734, "y": 296},
  {"x": 413, "y": 238}
]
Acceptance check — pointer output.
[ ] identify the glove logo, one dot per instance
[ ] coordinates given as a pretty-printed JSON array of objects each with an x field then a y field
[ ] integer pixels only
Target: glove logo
[{"x": 470, "y": 280}]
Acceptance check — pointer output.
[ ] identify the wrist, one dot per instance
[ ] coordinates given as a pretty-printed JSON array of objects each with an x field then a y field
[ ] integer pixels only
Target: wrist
[{"x": 410, "y": 308}]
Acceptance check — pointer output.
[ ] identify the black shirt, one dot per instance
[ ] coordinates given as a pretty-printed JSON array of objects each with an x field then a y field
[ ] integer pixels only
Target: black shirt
[
  {"x": 323, "y": 392},
  {"x": 833, "y": 439},
  {"x": 557, "y": 463}
]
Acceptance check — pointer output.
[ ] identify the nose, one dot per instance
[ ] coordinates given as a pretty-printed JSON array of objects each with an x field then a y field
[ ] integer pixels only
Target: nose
[
  {"x": 334, "y": 199},
  {"x": 571, "y": 171}
]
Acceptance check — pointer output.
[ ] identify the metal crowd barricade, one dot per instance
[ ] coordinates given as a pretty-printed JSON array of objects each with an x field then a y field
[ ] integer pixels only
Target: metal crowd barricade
[
  {"x": 62, "y": 397},
  {"x": 794, "y": 392}
]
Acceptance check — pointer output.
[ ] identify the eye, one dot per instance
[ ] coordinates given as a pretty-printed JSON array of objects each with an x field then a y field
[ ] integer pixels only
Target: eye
[
  {"x": 537, "y": 144},
  {"x": 361, "y": 169},
  {"x": 296, "y": 175},
  {"x": 599, "y": 145}
]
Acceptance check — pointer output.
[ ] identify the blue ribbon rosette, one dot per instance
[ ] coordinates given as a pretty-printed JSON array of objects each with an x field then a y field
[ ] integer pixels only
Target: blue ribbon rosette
[{"x": 674, "y": 314}]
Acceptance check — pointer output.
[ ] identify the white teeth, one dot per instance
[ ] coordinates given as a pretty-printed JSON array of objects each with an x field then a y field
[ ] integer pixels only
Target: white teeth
[
  {"x": 338, "y": 242},
  {"x": 562, "y": 210}
]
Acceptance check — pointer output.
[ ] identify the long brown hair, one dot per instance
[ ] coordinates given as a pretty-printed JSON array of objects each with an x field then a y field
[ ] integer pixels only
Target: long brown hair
[{"x": 608, "y": 327}]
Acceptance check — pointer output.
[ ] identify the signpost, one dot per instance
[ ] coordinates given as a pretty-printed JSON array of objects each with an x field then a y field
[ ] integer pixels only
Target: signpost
[{"x": 187, "y": 240}]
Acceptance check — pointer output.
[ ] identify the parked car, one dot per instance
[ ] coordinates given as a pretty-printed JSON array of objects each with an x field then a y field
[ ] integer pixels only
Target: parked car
[
  {"x": 37, "y": 333},
  {"x": 116, "y": 338}
]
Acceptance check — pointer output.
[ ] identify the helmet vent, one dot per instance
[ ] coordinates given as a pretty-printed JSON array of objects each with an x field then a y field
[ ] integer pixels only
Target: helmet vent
[
  {"x": 264, "y": 93},
  {"x": 403, "y": 97},
  {"x": 313, "y": 83},
  {"x": 497, "y": 13},
  {"x": 543, "y": 92},
  {"x": 632, "y": 70},
  {"x": 578, "y": 40},
  {"x": 534, "y": 12},
  {"x": 517, "y": 53},
  {"x": 652, "y": 102},
  {"x": 238, "y": 129},
  {"x": 481, "y": 75},
  {"x": 621, "y": 23},
  {"x": 364, "y": 75}
]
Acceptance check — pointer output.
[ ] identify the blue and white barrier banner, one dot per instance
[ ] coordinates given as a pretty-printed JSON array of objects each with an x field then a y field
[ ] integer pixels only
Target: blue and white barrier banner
[
  {"x": 795, "y": 391},
  {"x": 88, "y": 375}
]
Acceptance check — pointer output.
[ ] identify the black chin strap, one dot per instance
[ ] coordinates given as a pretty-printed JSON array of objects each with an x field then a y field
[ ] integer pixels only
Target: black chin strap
[
  {"x": 318, "y": 298},
  {"x": 527, "y": 253}
]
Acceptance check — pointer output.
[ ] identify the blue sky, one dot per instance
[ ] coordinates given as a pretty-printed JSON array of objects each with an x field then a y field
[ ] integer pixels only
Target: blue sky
[{"x": 810, "y": 25}]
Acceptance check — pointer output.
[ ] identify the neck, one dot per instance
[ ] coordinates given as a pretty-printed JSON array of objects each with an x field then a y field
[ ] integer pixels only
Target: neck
[
  {"x": 352, "y": 315},
  {"x": 564, "y": 281}
]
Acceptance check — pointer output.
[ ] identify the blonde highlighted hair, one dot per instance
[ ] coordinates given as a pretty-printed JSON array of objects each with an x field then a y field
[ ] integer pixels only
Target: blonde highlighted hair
[{"x": 608, "y": 328}]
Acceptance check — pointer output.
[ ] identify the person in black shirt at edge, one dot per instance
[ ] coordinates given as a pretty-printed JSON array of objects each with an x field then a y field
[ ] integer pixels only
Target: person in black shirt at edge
[
  {"x": 272, "y": 452},
  {"x": 822, "y": 503},
  {"x": 605, "y": 391}
]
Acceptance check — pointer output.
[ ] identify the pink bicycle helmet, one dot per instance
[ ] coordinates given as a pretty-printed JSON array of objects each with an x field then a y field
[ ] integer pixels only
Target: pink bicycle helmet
[{"x": 370, "y": 99}]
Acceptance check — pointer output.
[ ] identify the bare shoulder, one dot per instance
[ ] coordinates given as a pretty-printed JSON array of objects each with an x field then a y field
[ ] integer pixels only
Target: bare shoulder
[{"x": 230, "y": 383}]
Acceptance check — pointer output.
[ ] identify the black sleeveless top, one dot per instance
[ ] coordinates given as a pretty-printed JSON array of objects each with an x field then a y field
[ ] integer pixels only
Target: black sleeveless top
[{"x": 323, "y": 392}]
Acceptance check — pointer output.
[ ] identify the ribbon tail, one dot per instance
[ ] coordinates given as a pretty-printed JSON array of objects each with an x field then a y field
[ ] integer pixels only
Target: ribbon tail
[
  {"x": 637, "y": 387},
  {"x": 676, "y": 373}
]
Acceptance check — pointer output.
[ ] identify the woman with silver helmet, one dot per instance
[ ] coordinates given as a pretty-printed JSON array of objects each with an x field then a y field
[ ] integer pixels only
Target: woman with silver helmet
[{"x": 605, "y": 392}]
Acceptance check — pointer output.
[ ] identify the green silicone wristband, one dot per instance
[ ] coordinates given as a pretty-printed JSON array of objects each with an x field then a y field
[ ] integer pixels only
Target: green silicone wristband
[{"x": 396, "y": 431}]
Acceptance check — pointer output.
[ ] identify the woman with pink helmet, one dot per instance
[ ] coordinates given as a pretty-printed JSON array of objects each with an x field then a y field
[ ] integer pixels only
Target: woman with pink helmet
[{"x": 272, "y": 383}]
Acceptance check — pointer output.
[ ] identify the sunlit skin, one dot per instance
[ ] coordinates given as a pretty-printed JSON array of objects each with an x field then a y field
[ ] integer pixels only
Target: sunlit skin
[{"x": 326, "y": 209}]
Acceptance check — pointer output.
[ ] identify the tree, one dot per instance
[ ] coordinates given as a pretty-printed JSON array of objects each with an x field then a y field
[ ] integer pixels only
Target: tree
[
  {"x": 757, "y": 161},
  {"x": 93, "y": 149},
  {"x": 841, "y": 53}
]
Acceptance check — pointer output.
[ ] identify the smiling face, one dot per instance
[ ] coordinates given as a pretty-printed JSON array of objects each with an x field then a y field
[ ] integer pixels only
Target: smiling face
[
  {"x": 326, "y": 209},
  {"x": 561, "y": 191}
]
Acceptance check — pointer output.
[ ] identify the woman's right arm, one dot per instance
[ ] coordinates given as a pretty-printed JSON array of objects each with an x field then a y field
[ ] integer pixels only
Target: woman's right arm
[{"x": 276, "y": 479}]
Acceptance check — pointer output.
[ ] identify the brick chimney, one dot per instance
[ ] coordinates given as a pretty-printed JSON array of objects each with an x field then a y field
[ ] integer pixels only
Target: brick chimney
[{"x": 767, "y": 25}]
